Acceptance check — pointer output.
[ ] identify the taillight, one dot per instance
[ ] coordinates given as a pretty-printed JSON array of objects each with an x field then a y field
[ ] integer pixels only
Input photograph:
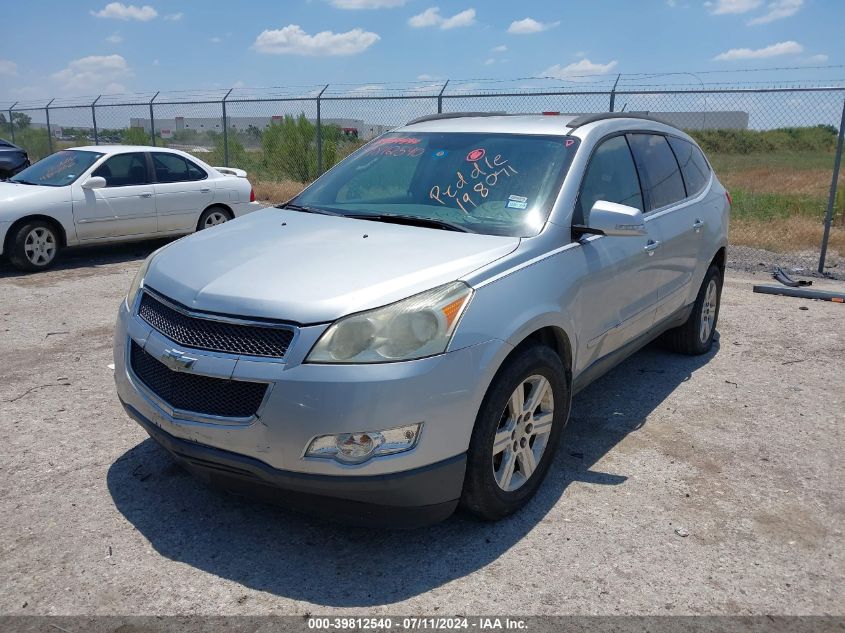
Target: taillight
[
  {"x": 730, "y": 198},
  {"x": 251, "y": 194}
]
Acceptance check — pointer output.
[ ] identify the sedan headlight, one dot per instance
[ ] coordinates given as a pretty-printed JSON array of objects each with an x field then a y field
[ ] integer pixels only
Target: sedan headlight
[{"x": 415, "y": 327}]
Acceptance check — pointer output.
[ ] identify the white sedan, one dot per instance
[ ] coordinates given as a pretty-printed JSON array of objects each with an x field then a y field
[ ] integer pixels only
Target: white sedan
[{"x": 113, "y": 193}]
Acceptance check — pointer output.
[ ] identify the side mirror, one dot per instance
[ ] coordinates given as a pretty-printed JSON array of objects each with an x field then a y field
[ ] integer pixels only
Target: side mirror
[
  {"x": 94, "y": 182},
  {"x": 617, "y": 220}
]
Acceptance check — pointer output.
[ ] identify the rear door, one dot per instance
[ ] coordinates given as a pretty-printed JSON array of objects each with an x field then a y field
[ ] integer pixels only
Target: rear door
[
  {"x": 674, "y": 218},
  {"x": 125, "y": 206},
  {"x": 182, "y": 191},
  {"x": 619, "y": 294}
]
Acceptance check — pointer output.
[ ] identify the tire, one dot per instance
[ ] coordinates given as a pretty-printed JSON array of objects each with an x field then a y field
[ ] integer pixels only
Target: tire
[
  {"x": 213, "y": 216},
  {"x": 34, "y": 246},
  {"x": 695, "y": 337},
  {"x": 483, "y": 495}
]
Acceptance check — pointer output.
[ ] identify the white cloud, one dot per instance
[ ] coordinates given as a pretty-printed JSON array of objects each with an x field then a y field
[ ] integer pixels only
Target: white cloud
[
  {"x": 777, "y": 10},
  {"x": 424, "y": 77},
  {"x": 432, "y": 17},
  {"x": 367, "y": 4},
  {"x": 528, "y": 26},
  {"x": 120, "y": 11},
  {"x": 722, "y": 7},
  {"x": 499, "y": 49},
  {"x": 579, "y": 68},
  {"x": 156, "y": 62},
  {"x": 821, "y": 58},
  {"x": 94, "y": 72},
  {"x": 781, "y": 48},
  {"x": 8, "y": 67},
  {"x": 174, "y": 17},
  {"x": 215, "y": 40},
  {"x": 292, "y": 40},
  {"x": 114, "y": 38},
  {"x": 489, "y": 61}
]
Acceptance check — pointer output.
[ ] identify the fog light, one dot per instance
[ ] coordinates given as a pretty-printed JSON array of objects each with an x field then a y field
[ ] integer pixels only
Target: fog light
[{"x": 354, "y": 448}]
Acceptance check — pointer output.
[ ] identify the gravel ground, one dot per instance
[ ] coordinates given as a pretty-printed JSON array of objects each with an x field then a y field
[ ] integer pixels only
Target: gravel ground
[{"x": 682, "y": 485}]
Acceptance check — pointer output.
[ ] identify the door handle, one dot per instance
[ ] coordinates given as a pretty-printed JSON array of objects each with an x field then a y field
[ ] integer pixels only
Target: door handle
[
  {"x": 651, "y": 247},
  {"x": 205, "y": 190},
  {"x": 146, "y": 195},
  {"x": 696, "y": 226}
]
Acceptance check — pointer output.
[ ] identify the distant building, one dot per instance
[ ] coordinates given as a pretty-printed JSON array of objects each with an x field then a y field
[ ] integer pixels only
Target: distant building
[{"x": 351, "y": 127}]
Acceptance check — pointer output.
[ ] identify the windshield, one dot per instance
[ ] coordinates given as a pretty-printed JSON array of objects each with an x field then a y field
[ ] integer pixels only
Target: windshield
[
  {"x": 57, "y": 170},
  {"x": 498, "y": 184}
]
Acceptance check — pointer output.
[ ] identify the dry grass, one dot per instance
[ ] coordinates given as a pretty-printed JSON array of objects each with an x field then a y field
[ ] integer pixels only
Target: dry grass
[
  {"x": 275, "y": 192},
  {"x": 782, "y": 180},
  {"x": 796, "y": 233}
]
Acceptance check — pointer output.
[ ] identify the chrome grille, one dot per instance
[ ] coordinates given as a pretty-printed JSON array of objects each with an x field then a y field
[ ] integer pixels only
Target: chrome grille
[
  {"x": 194, "y": 393},
  {"x": 212, "y": 334}
]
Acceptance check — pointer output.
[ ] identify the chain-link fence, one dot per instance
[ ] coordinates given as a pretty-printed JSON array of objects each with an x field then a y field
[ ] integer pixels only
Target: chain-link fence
[{"x": 773, "y": 147}]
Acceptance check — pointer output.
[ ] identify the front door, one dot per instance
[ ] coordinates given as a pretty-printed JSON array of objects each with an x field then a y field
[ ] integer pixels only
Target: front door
[
  {"x": 617, "y": 300},
  {"x": 125, "y": 206}
]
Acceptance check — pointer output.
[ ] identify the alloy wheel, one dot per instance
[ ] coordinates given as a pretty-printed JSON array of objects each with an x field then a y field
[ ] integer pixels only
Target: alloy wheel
[
  {"x": 523, "y": 433},
  {"x": 214, "y": 218},
  {"x": 40, "y": 246},
  {"x": 708, "y": 311}
]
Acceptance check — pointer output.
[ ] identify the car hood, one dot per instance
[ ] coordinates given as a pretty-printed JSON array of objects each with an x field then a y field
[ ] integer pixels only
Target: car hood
[
  {"x": 308, "y": 268},
  {"x": 18, "y": 194}
]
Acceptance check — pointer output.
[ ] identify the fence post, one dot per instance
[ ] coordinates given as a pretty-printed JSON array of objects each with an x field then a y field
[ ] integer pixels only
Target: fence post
[
  {"x": 49, "y": 132},
  {"x": 11, "y": 122},
  {"x": 440, "y": 98},
  {"x": 226, "y": 131},
  {"x": 153, "y": 121},
  {"x": 320, "y": 133},
  {"x": 831, "y": 201},
  {"x": 613, "y": 93},
  {"x": 94, "y": 119}
]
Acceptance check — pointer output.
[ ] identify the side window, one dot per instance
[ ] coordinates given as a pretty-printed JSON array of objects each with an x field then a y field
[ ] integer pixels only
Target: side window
[
  {"x": 610, "y": 176},
  {"x": 173, "y": 168},
  {"x": 124, "y": 170},
  {"x": 659, "y": 172},
  {"x": 694, "y": 166}
]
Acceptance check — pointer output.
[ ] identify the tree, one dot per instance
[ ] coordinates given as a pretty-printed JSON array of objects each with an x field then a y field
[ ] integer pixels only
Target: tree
[
  {"x": 290, "y": 148},
  {"x": 21, "y": 120},
  {"x": 135, "y": 136}
]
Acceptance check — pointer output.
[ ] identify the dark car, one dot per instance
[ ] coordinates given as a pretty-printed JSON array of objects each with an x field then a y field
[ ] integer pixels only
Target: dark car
[{"x": 12, "y": 159}]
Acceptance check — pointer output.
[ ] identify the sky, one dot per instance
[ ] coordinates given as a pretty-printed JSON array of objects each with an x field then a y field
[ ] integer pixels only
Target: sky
[{"x": 62, "y": 48}]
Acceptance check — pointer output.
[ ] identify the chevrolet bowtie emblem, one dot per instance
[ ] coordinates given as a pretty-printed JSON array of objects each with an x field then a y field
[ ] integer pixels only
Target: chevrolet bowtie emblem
[{"x": 176, "y": 359}]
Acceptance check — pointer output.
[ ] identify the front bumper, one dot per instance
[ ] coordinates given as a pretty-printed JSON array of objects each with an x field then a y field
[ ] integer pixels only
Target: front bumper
[{"x": 407, "y": 499}]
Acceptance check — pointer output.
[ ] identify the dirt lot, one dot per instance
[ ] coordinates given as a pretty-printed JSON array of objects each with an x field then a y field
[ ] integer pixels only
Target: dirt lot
[{"x": 740, "y": 450}]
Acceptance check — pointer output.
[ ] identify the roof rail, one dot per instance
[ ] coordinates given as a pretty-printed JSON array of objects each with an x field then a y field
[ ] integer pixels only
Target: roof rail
[
  {"x": 592, "y": 118},
  {"x": 452, "y": 115}
]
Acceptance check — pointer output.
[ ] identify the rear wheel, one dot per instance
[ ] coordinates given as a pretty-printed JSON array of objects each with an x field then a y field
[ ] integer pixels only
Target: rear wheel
[
  {"x": 696, "y": 335},
  {"x": 34, "y": 246},
  {"x": 516, "y": 432},
  {"x": 212, "y": 217}
]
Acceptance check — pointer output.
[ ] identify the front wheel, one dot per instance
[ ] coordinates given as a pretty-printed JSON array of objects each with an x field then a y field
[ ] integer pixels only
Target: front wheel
[
  {"x": 516, "y": 433},
  {"x": 34, "y": 246}
]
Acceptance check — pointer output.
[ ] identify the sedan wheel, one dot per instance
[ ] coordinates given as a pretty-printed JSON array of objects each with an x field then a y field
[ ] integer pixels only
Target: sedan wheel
[
  {"x": 40, "y": 246},
  {"x": 213, "y": 217}
]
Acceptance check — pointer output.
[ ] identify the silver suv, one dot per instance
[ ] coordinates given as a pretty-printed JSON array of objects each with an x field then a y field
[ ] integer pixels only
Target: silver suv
[{"x": 406, "y": 334}]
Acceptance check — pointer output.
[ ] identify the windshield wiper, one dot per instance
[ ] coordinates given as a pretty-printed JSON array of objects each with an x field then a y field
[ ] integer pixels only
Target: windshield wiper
[
  {"x": 305, "y": 209},
  {"x": 24, "y": 182},
  {"x": 413, "y": 221}
]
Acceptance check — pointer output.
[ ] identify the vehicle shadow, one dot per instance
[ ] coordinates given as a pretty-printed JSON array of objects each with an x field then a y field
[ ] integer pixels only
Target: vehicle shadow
[
  {"x": 274, "y": 550},
  {"x": 90, "y": 256}
]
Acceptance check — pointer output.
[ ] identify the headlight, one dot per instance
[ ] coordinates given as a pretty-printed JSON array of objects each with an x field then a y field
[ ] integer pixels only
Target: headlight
[
  {"x": 354, "y": 448},
  {"x": 415, "y": 327},
  {"x": 138, "y": 280}
]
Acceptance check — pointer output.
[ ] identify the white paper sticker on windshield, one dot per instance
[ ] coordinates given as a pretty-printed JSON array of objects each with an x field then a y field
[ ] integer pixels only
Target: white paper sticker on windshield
[{"x": 518, "y": 198}]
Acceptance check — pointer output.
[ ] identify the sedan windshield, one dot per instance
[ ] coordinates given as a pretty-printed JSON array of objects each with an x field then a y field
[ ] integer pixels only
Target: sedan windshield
[
  {"x": 498, "y": 184},
  {"x": 57, "y": 170}
]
